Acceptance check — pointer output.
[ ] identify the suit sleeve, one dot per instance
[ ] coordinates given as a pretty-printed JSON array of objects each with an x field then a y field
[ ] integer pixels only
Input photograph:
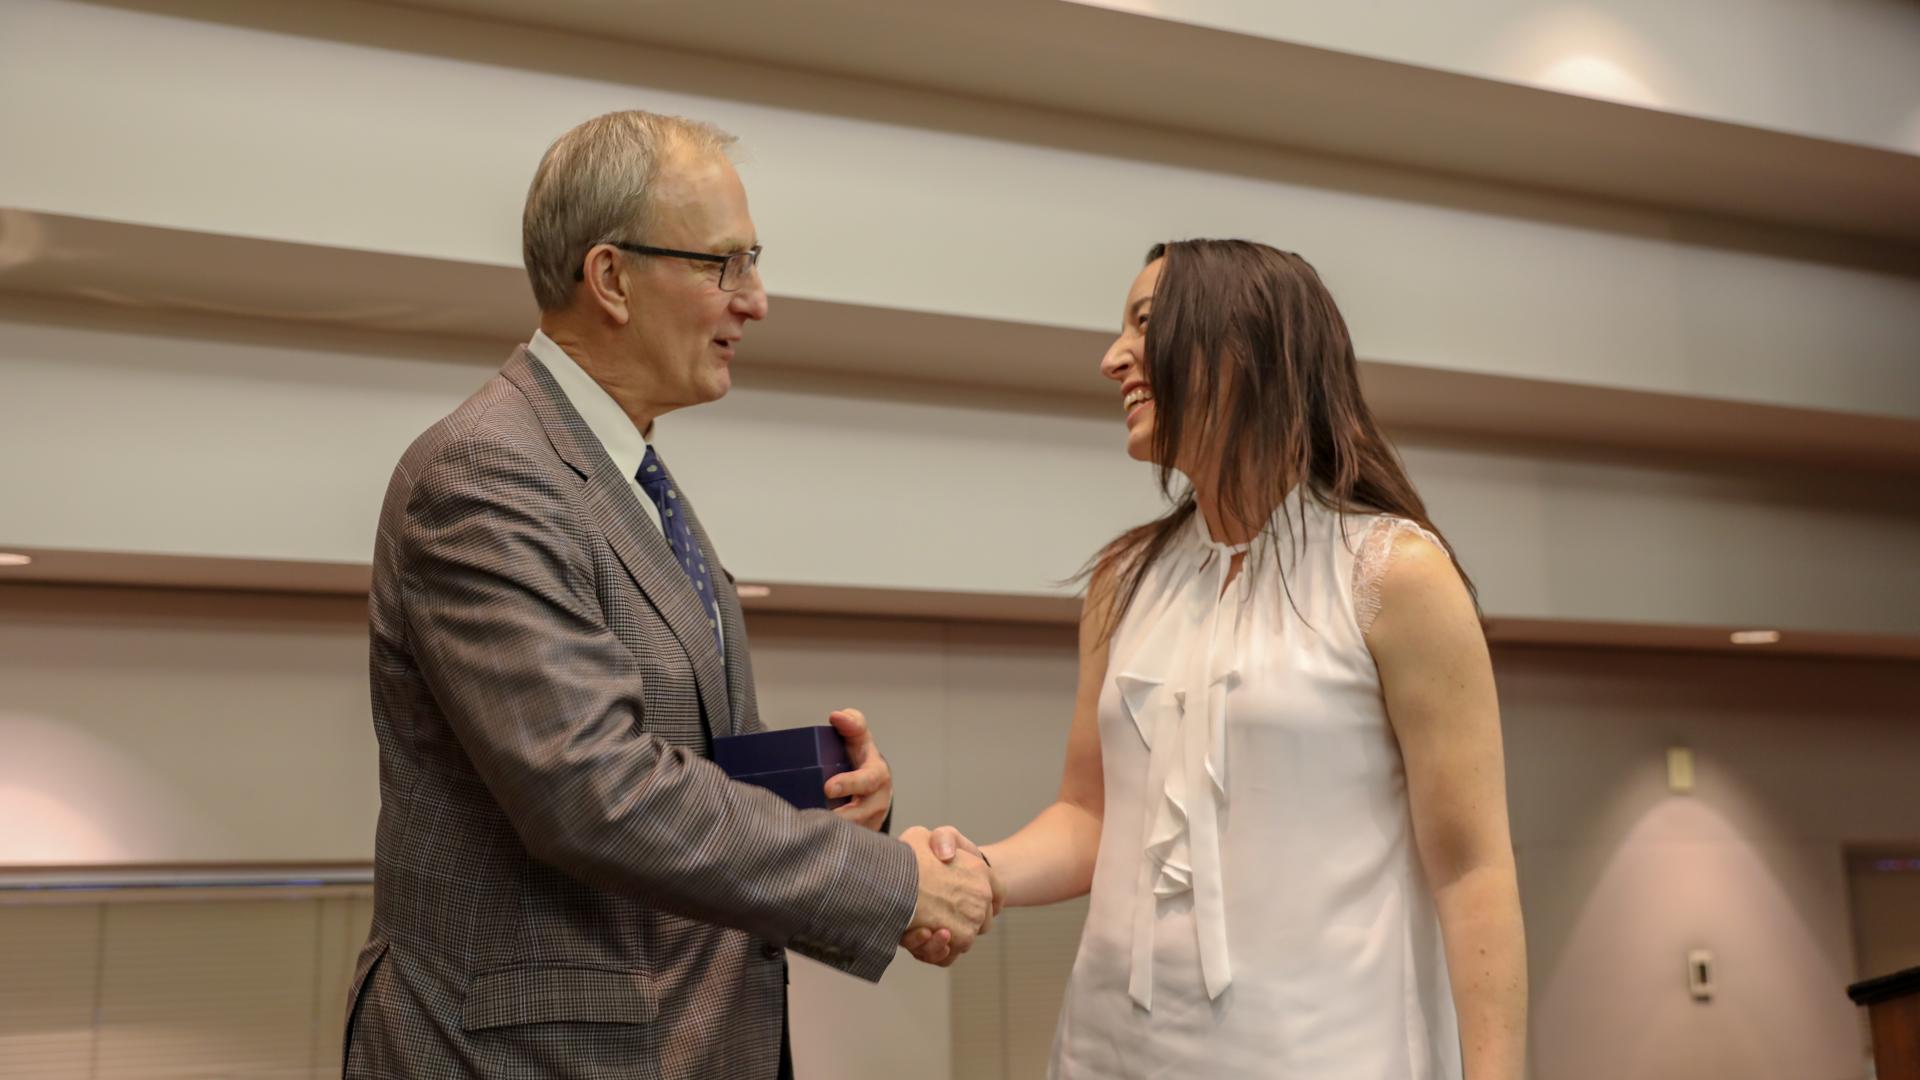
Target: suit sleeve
[{"x": 546, "y": 703}]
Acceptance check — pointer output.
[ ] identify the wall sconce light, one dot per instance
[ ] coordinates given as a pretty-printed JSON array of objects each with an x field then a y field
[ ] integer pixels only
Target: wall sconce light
[{"x": 1679, "y": 770}]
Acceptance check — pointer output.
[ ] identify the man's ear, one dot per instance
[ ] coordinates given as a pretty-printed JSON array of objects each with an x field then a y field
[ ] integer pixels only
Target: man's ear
[{"x": 607, "y": 283}]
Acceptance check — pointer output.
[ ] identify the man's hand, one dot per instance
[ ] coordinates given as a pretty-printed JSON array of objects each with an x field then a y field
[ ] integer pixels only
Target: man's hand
[
  {"x": 870, "y": 782},
  {"x": 957, "y": 900},
  {"x": 932, "y": 944}
]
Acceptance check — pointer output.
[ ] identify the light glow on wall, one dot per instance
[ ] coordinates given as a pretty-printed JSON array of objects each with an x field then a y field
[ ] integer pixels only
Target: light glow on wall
[
  {"x": 1580, "y": 50},
  {"x": 44, "y": 829},
  {"x": 1597, "y": 77},
  {"x": 68, "y": 797}
]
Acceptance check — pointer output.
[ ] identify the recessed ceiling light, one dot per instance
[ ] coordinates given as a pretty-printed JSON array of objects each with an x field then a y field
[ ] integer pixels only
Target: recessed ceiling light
[
  {"x": 1756, "y": 637},
  {"x": 8, "y": 558},
  {"x": 754, "y": 592}
]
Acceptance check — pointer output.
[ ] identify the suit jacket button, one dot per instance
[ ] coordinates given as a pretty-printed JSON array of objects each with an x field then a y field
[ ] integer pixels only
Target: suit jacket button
[{"x": 771, "y": 951}]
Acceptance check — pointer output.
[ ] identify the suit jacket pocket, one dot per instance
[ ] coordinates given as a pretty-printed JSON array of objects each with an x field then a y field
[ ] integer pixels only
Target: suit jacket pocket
[{"x": 543, "y": 995}]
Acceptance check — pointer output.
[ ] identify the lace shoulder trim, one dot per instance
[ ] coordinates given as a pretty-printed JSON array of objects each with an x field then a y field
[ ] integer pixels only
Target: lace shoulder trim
[{"x": 1374, "y": 558}]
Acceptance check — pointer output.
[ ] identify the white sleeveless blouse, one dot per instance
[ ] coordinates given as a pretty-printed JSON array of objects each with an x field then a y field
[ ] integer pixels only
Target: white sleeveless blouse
[{"x": 1258, "y": 906}]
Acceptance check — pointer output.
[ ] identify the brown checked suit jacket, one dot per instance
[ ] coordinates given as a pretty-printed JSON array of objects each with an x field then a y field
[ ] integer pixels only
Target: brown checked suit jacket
[{"x": 565, "y": 885}]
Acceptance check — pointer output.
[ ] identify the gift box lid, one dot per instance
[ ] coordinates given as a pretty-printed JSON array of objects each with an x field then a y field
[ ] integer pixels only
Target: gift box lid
[
  {"x": 781, "y": 751},
  {"x": 803, "y": 789}
]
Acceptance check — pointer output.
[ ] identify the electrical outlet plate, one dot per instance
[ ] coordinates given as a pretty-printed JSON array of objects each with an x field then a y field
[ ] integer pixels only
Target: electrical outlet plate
[{"x": 1700, "y": 974}]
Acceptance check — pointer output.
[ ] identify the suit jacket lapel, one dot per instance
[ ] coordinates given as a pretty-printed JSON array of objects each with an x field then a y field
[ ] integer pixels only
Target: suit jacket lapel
[{"x": 634, "y": 538}]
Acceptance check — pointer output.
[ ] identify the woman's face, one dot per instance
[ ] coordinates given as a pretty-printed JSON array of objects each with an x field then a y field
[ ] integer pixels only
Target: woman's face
[{"x": 1125, "y": 363}]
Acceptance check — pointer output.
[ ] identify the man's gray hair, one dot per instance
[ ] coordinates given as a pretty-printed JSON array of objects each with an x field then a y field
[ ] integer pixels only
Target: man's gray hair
[{"x": 596, "y": 184}]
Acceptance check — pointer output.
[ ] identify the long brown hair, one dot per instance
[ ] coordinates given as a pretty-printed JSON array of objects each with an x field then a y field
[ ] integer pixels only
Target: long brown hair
[{"x": 1249, "y": 360}]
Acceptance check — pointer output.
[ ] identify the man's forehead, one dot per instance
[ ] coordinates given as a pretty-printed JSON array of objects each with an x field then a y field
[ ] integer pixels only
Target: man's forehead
[
  {"x": 692, "y": 174},
  {"x": 701, "y": 204}
]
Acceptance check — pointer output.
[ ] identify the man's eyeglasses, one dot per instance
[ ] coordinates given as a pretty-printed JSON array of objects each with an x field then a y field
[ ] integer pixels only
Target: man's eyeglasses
[{"x": 734, "y": 268}]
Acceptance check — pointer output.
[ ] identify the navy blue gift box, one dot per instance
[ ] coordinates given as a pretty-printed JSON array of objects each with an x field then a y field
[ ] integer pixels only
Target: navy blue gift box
[{"x": 793, "y": 763}]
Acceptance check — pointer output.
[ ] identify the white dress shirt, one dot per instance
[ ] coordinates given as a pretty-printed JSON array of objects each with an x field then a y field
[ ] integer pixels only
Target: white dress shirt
[{"x": 605, "y": 418}]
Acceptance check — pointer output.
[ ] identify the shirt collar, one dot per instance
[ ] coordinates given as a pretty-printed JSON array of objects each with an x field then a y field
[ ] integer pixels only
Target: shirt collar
[{"x": 603, "y": 415}]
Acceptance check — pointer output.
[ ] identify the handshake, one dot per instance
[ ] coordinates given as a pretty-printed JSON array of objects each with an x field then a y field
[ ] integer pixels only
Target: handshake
[{"x": 959, "y": 895}]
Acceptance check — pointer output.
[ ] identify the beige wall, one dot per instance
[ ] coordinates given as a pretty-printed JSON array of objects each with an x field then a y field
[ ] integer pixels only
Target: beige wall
[
  {"x": 242, "y": 438},
  {"x": 418, "y": 133},
  {"x": 193, "y": 725},
  {"x": 1838, "y": 69},
  {"x": 155, "y": 727},
  {"x": 156, "y": 987},
  {"x": 1794, "y": 761},
  {"x": 1885, "y": 899},
  {"x": 381, "y": 128}
]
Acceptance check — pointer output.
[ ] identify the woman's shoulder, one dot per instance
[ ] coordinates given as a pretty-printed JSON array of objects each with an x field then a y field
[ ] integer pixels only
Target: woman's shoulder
[{"x": 1382, "y": 543}]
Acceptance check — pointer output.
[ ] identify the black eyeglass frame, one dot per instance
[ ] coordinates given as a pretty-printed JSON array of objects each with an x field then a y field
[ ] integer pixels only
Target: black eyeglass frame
[{"x": 752, "y": 255}]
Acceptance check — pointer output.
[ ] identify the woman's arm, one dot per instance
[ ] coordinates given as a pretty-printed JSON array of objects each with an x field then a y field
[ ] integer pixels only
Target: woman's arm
[
  {"x": 1437, "y": 679},
  {"x": 1051, "y": 858}
]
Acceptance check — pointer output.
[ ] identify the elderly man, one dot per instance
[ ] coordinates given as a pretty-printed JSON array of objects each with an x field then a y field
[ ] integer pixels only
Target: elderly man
[{"x": 565, "y": 884}]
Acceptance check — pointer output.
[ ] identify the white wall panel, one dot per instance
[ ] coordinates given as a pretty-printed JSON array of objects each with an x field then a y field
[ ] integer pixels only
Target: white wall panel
[
  {"x": 176, "y": 439},
  {"x": 162, "y": 727},
  {"x": 1838, "y": 69},
  {"x": 417, "y": 133}
]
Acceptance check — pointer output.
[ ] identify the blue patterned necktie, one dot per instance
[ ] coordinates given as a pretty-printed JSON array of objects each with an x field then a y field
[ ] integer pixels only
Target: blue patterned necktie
[{"x": 659, "y": 487}]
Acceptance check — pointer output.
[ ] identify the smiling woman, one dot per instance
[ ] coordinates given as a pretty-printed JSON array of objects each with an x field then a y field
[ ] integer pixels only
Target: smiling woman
[{"x": 1290, "y": 648}]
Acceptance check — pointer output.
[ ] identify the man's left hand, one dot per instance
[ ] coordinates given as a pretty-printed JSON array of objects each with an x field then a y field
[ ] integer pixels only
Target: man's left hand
[{"x": 870, "y": 782}]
